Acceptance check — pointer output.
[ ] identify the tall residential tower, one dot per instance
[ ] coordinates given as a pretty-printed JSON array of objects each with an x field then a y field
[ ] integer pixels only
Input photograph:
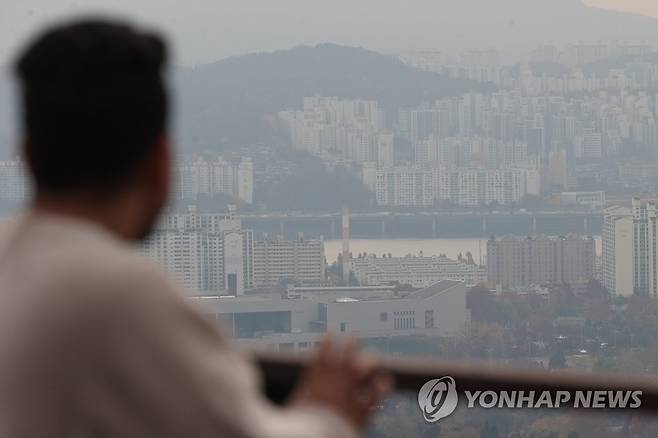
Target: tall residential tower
[{"x": 630, "y": 261}]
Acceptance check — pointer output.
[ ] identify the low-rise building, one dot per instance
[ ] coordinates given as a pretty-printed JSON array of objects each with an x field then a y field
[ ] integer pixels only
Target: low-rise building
[
  {"x": 416, "y": 271},
  {"x": 298, "y": 322},
  {"x": 593, "y": 200}
]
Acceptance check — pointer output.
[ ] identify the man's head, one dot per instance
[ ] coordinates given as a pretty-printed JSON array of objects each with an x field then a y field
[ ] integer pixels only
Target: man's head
[{"x": 95, "y": 112}]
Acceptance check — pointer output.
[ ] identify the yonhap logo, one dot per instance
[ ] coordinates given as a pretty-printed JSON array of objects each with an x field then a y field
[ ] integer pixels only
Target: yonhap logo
[{"x": 438, "y": 398}]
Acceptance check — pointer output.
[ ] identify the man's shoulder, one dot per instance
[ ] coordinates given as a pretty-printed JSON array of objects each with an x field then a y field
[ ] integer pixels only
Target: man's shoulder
[
  {"x": 82, "y": 285},
  {"x": 82, "y": 266},
  {"x": 118, "y": 270}
]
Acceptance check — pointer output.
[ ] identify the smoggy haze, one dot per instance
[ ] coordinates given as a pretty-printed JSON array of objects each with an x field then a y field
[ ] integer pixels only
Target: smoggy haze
[{"x": 208, "y": 30}]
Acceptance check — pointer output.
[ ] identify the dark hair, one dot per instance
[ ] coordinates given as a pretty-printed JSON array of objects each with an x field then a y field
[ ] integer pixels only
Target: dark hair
[{"x": 94, "y": 103}]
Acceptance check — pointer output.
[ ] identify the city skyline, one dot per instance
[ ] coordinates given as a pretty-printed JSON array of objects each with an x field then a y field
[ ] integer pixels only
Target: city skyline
[{"x": 436, "y": 183}]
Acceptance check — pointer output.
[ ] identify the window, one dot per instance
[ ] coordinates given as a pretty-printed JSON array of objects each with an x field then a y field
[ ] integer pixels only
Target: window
[
  {"x": 429, "y": 319},
  {"x": 383, "y": 316}
]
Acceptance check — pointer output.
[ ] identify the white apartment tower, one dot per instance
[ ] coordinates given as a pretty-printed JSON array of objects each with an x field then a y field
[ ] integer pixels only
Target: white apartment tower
[
  {"x": 245, "y": 183},
  {"x": 204, "y": 252},
  {"x": 385, "y": 150},
  {"x": 630, "y": 261}
]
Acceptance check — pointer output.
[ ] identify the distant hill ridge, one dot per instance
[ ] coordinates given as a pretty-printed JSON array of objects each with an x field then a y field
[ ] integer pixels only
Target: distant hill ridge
[
  {"x": 232, "y": 102},
  {"x": 235, "y": 101}
]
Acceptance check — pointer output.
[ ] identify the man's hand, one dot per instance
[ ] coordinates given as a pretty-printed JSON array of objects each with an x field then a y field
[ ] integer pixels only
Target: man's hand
[{"x": 345, "y": 381}]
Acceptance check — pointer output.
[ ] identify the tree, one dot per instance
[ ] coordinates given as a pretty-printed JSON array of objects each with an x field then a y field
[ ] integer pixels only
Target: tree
[
  {"x": 563, "y": 301},
  {"x": 596, "y": 290},
  {"x": 489, "y": 431},
  {"x": 314, "y": 187},
  {"x": 557, "y": 360},
  {"x": 482, "y": 304},
  {"x": 487, "y": 340}
]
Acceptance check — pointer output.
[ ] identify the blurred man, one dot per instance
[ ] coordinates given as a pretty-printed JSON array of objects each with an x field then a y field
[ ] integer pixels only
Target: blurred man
[{"x": 94, "y": 340}]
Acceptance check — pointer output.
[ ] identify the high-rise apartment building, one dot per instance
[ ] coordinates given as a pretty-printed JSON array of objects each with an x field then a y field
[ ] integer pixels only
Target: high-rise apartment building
[
  {"x": 481, "y": 65},
  {"x": 418, "y": 186},
  {"x": 385, "y": 150},
  {"x": 404, "y": 186},
  {"x": 210, "y": 177},
  {"x": 212, "y": 254},
  {"x": 589, "y": 145},
  {"x": 523, "y": 261},
  {"x": 340, "y": 130},
  {"x": 630, "y": 258},
  {"x": 428, "y": 122},
  {"x": 204, "y": 252},
  {"x": 300, "y": 261},
  {"x": 472, "y": 187}
]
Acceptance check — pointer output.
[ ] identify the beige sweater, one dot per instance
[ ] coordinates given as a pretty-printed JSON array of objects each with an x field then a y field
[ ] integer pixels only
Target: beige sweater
[{"x": 96, "y": 342}]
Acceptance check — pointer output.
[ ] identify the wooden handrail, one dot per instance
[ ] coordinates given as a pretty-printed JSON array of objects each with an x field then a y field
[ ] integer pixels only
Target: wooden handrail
[{"x": 282, "y": 371}]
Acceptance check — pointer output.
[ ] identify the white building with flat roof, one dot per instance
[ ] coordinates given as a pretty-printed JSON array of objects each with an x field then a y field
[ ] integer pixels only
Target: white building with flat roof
[
  {"x": 297, "y": 323},
  {"x": 594, "y": 200},
  {"x": 416, "y": 271}
]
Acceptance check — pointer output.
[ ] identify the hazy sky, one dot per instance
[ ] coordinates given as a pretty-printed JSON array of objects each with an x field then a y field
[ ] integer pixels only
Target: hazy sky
[{"x": 208, "y": 30}]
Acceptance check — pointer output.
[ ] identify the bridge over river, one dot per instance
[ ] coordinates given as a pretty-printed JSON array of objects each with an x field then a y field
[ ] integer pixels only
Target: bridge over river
[{"x": 427, "y": 224}]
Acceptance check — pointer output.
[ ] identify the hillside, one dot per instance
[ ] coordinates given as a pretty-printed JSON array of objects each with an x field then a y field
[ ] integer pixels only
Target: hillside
[
  {"x": 232, "y": 102},
  {"x": 235, "y": 101}
]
